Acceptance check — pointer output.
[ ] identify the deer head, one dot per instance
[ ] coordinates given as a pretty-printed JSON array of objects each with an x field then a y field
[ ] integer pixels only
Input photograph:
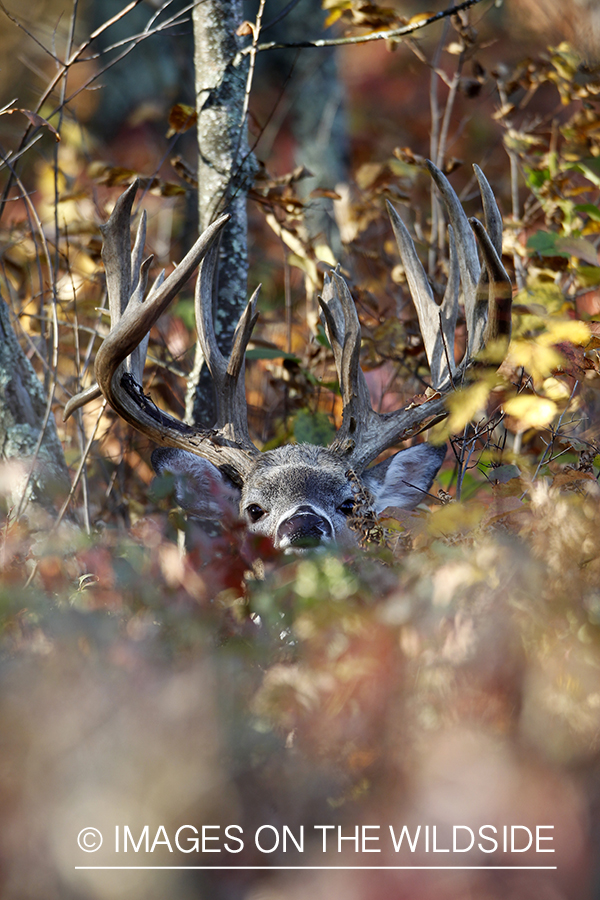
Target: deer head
[{"x": 302, "y": 494}]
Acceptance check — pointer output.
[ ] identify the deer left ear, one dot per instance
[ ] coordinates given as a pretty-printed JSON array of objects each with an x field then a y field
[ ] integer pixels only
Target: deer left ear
[
  {"x": 404, "y": 479},
  {"x": 200, "y": 488}
]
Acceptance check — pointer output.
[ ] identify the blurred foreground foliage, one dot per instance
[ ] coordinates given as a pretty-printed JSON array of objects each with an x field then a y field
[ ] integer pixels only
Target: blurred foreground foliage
[{"x": 451, "y": 677}]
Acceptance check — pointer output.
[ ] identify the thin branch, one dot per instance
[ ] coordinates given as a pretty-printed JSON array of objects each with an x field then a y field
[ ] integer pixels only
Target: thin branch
[
  {"x": 385, "y": 35},
  {"x": 255, "y": 36},
  {"x": 80, "y": 468}
]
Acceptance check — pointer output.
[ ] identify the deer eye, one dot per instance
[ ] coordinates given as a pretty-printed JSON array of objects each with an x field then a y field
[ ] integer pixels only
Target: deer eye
[
  {"x": 347, "y": 507},
  {"x": 255, "y": 512}
]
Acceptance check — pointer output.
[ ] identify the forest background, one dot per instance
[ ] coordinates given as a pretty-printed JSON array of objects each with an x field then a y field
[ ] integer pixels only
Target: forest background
[{"x": 445, "y": 673}]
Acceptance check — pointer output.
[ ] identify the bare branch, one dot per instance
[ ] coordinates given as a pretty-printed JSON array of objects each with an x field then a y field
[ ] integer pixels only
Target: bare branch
[{"x": 385, "y": 35}]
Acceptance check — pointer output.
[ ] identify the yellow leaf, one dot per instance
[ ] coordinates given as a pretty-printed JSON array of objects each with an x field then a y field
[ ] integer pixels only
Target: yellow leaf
[
  {"x": 531, "y": 411},
  {"x": 538, "y": 360},
  {"x": 453, "y": 518},
  {"x": 555, "y": 389},
  {"x": 332, "y": 17},
  {"x": 467, "y": 403},
  {"x": 561, "y": 330},
  {"x": 420, "y": 17}
]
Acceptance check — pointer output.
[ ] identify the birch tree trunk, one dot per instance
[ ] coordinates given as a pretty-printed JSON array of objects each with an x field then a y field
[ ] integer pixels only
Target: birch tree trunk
[{"x": 225, "y": 172}]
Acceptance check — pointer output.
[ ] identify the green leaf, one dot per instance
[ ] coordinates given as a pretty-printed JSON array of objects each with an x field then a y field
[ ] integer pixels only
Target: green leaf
[
  {"x": 536, "y": 178},
  {"x": 184, "y": 310},
  {"x": 270, "y": 353},
  {"x": 313, "y": 428},
  {"x": 590, "y": 210},
  {"x": 321, "y": 337},
  {"x": 589, "y": 276},
  {"x": 545, "y": 243}
]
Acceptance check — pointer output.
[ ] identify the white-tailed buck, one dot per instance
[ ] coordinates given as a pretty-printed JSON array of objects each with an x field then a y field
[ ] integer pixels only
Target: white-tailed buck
[{"x": 298, "y": 494}]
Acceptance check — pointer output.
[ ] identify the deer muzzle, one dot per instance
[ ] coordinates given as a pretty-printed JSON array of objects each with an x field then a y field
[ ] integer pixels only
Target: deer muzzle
[{"x": 304, "y": 528}]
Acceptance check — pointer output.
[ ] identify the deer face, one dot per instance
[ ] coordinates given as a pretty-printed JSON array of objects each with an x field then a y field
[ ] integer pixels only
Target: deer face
[{"x": 299, "y": 495}]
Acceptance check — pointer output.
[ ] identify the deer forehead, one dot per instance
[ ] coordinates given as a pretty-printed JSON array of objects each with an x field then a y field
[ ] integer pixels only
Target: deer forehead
[{"x": 297, "y": 472}]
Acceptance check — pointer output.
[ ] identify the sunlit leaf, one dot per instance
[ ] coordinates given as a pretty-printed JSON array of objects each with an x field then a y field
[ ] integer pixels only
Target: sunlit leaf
[
  {"x": 559, "y": 330},
  {"x": 466, "y": 404},
  {"x": 555, "y": 390},
  {"x": 531, "y": 411},
  {"x": 538, "y": 360}
]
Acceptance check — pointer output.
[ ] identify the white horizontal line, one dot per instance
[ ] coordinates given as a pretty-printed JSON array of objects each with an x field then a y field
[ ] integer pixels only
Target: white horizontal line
[{"x": 317, "y": 868}]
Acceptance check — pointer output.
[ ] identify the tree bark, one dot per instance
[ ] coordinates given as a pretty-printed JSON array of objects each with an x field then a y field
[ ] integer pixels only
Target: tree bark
[
  {"x": 225, "y": 172},
  {"x": 22, "y": 412}
]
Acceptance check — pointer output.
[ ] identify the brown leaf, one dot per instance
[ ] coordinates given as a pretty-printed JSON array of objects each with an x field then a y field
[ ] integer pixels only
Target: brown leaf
[
  {"x": 111, "y": 175},
  {"x": 575, "y": 362},
  {"x": 185, "y": 171},
  {"x": 181, "y": 117},
  {"x": 325, "y": 192},
  {"x": 405, "y": 154},
  {"x": 37, "y": 121},
  {"x": 245, "y": 29}
]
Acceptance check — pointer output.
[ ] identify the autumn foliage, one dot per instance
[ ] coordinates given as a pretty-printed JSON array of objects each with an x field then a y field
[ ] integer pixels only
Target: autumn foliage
[{"x": 446, "y": 672}]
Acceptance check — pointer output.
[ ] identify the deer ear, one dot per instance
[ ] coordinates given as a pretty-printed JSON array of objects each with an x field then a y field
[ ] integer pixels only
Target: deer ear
[
  {"x": 404, "y": 479},
  {"x": 200, "y": 488}
]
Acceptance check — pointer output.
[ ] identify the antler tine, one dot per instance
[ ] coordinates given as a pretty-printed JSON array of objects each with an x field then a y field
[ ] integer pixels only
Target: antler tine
[
  {"x": 495, "y": 288},
  {"x": 491, "y": 213},
  {"x": 437, "y": 323},
  {"x": 227, "y": 374},
  {"x": 499, "y": 291},
  {"x": 117, "y": 254},
  {"x": 468, "y": 259},
  {"x": 339, "y": 317},
  {"x": 124, "y": 269}
]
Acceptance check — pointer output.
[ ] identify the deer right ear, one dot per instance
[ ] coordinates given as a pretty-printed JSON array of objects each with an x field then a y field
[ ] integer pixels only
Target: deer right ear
[{"x": 200, "y": 488}]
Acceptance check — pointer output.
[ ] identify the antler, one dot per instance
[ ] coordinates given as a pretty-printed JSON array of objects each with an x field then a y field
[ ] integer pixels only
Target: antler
[
  {"x": 120, "y": 360},
  {"x": 487, "y": 296}
]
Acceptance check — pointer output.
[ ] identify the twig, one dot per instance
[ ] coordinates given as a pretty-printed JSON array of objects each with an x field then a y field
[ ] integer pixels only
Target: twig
[
  {"x": 555, "y": 432},
  {"x": 385, "y": 35},
  {"x": 80, "y": 469}
]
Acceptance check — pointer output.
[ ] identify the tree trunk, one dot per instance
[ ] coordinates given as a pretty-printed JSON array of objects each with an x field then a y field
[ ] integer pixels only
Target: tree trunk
[
  {"x": 225, "y": 172},
  {"x": 22, "y": 411}
]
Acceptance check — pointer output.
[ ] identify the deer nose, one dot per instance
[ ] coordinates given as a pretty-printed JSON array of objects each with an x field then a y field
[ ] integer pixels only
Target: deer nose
[{"x": 304, "y": 528}]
